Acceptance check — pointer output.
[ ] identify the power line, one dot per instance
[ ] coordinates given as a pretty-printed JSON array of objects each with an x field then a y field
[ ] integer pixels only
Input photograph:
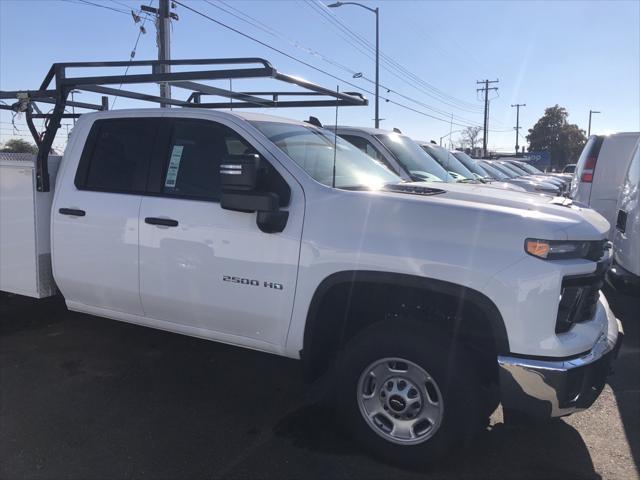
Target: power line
[
  {"x": 295, "y": 43},
  {"x": 87, "y": 2},
  {"x": 132, "y": 54},
  {"x": 415, "y": 82},
  {"x": 306, "y": 63},
  {"x": 122, "y": 4},
  {"x": 97, "y": 5}
]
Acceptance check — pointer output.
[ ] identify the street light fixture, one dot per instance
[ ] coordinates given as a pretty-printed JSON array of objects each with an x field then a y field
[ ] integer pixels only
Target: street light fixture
[
  {"x": 377, "y": 12},
  {"x": 591, "y": 112}
]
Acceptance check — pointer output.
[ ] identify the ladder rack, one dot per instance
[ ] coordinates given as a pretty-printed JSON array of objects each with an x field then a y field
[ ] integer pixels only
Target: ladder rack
[{"x": 28, "y": 101}]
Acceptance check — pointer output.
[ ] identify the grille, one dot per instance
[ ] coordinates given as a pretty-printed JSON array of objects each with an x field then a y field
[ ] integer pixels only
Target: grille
[
  {"x": 579, "y": 300},
  {"x": 597, "y": 249}
]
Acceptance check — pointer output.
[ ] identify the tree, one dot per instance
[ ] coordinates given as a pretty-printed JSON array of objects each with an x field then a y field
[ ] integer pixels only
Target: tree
[
  {"x": 553, "y": 133},
  {"x": 18, "y": 145},
  {"x": 469, "y": 137}
]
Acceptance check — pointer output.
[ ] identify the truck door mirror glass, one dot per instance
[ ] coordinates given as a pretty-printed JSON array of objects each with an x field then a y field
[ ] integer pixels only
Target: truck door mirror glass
[{"x": 239, "y": 177}]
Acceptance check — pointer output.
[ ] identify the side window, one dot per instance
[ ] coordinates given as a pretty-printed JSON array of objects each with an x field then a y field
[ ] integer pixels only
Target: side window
[
  {"x": 366, "y": 146},
  {"x": 197, "y": 149},
  {"x": 116, "y": 156}
]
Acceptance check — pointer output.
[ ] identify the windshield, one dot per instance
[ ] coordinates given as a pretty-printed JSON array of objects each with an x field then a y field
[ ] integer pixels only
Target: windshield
[
  {"x": 516, "y": 167},
  {"x": 313, "y": 150},
  {"x": 470, "y": 163},
  {"x": 448, "y": 161},
  {"x": 509, "y": 172},
  {"x": 493, "y": 172},
  {"x": 414, "y": 158},
  {"x": 529, "y": 168}
]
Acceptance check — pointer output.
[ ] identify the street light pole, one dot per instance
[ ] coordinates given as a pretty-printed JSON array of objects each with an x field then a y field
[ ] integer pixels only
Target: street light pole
[
  {"x": 377, "y": 13},
  {"x": 447, "y": 135},
  {"x": 591, "y": 112}
]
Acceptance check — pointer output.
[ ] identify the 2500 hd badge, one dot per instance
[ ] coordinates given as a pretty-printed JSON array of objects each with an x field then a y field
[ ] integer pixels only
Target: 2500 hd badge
[{"x": 252, "y": 282}]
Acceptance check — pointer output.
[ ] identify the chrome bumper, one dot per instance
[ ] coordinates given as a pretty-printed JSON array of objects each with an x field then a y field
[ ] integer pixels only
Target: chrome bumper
[{"x": 554, "y": 388}]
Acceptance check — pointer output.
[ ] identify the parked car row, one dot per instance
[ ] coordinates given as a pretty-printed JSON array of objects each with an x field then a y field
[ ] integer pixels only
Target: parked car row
[
  {"x": 601, "y": 191},
  {"x": 424, "y": 161}
]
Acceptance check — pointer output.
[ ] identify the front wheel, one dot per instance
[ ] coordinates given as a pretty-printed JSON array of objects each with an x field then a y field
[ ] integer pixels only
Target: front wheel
[{"x": 408, "y": 392}]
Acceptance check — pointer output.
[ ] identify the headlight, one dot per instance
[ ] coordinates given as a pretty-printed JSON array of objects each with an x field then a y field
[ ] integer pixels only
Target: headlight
[{"x": 557, "y": 249}]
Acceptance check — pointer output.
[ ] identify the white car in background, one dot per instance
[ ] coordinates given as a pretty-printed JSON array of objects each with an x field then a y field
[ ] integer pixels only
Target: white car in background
[
  {"x": 501, "y": 173},
  {"x": 455, "y": 167},
  {"x": 600, "y": 171},
  {"x": 522, "y": 172},
  {"x": 625, "y": 271},
  {"x": 397, "y": 152}
]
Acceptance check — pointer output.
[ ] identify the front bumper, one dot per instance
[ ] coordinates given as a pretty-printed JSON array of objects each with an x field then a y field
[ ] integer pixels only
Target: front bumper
[{"x": 558, "y": 387}]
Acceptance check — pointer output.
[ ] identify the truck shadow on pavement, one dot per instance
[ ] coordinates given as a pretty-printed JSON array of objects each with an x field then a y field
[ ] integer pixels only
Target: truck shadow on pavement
[
  {"x": 85, "y": 397},
  {"x": 551, "y": 450},
  {"x": 625, "y": 382}
]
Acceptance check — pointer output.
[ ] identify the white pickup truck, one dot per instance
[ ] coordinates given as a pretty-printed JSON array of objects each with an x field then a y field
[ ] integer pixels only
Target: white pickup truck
[{"x": 425, "y": 303}]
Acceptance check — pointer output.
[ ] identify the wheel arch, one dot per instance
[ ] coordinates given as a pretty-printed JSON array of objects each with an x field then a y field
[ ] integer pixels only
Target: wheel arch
[{"x": 347, "y": 282}]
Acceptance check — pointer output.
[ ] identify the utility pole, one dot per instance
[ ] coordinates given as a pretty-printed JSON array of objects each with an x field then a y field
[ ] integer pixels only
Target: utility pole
[
  {"x": 590, "y": 113},
  {"x": 163, "y": 29},
  {"x": 517, "y": 127},
  {"x": 486, "y": 89}
]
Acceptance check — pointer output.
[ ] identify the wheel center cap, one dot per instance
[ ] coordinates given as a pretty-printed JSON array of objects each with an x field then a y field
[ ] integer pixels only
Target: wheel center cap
[{"x": 397, "y": 403}]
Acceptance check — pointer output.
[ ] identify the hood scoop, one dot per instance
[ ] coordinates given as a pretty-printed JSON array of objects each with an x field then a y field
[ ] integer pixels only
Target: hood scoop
[{"x": 413, "y": 189}]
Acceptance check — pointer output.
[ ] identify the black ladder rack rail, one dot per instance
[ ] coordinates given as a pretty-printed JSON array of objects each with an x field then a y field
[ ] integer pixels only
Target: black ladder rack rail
[{"x": 312, "y": 95}]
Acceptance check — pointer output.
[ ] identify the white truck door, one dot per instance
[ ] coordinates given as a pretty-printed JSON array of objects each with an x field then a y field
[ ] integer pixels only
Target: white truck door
[
  {"x": 212, "y": 270},
  {"x": 95, "y": 216}
]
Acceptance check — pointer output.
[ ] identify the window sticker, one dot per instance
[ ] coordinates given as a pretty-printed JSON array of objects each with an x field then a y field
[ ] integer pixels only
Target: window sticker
[{"x": 174, "y": 166}]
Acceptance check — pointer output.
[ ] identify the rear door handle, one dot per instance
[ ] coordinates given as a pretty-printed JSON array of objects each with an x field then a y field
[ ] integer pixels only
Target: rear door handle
[
  {"x": 75, "y": 212},
  {"x": 165, "y": 222}
]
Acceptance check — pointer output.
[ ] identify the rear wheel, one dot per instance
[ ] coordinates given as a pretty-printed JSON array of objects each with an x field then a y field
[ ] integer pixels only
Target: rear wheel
[{"x": 408, "y": 392}]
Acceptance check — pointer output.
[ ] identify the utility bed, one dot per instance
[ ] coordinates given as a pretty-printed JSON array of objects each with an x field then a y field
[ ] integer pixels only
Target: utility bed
[{"x": 25, "y": 216}]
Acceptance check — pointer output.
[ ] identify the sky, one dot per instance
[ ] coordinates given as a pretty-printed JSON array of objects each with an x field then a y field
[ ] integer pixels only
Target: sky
[{"x": 582, "y": 55}]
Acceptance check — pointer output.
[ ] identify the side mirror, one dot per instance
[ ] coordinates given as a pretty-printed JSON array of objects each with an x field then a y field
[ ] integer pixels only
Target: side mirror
[
  {"x": 239, "y": 172},
  {"x": 239, "y": 180}
]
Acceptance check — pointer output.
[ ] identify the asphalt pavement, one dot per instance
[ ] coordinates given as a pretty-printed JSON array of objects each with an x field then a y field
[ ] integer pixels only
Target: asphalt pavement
[{"x": 83, "y": 397}]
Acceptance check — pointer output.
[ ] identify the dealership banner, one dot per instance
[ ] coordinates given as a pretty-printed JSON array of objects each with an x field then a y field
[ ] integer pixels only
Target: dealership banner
[{"x": 541, "y": 159}]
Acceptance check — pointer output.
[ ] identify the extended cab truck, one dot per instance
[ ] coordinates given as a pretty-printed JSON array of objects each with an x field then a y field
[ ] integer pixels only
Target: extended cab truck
[{"x": 417, "y": 299}]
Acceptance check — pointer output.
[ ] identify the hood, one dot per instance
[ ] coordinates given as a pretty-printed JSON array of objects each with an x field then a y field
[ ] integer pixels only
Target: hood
[
  {"x": 569, "y": 221},
  {"x": 539, "y": 185},
  {"x": 547, "y": 179},
  {"x": 505, "y": 186}
]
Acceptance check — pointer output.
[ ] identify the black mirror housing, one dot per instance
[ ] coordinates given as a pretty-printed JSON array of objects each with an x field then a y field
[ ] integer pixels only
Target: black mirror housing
[
  {"x": 239, "y": 180},
  {"x": 249, "y": 202},
  {"x": 239, "y": 172}
]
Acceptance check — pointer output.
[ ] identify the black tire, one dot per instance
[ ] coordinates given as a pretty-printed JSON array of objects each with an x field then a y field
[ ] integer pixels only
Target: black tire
[{"x": 442, "y": 358}]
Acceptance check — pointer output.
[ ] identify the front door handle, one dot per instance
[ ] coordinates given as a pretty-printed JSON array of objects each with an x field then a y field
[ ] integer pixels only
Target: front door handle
[
  {"x": 75, "y": 212},
  {"x": 165, "y": 222}
]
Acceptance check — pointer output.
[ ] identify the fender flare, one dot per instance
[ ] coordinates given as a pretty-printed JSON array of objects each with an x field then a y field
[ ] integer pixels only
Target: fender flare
[{"x": 480, "y": 300}]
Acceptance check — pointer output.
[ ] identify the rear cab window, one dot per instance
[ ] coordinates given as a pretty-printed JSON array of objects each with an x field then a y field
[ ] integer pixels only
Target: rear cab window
[
  {"x": 117, "y": 155},
  {"x": 172, "y": 157}
]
